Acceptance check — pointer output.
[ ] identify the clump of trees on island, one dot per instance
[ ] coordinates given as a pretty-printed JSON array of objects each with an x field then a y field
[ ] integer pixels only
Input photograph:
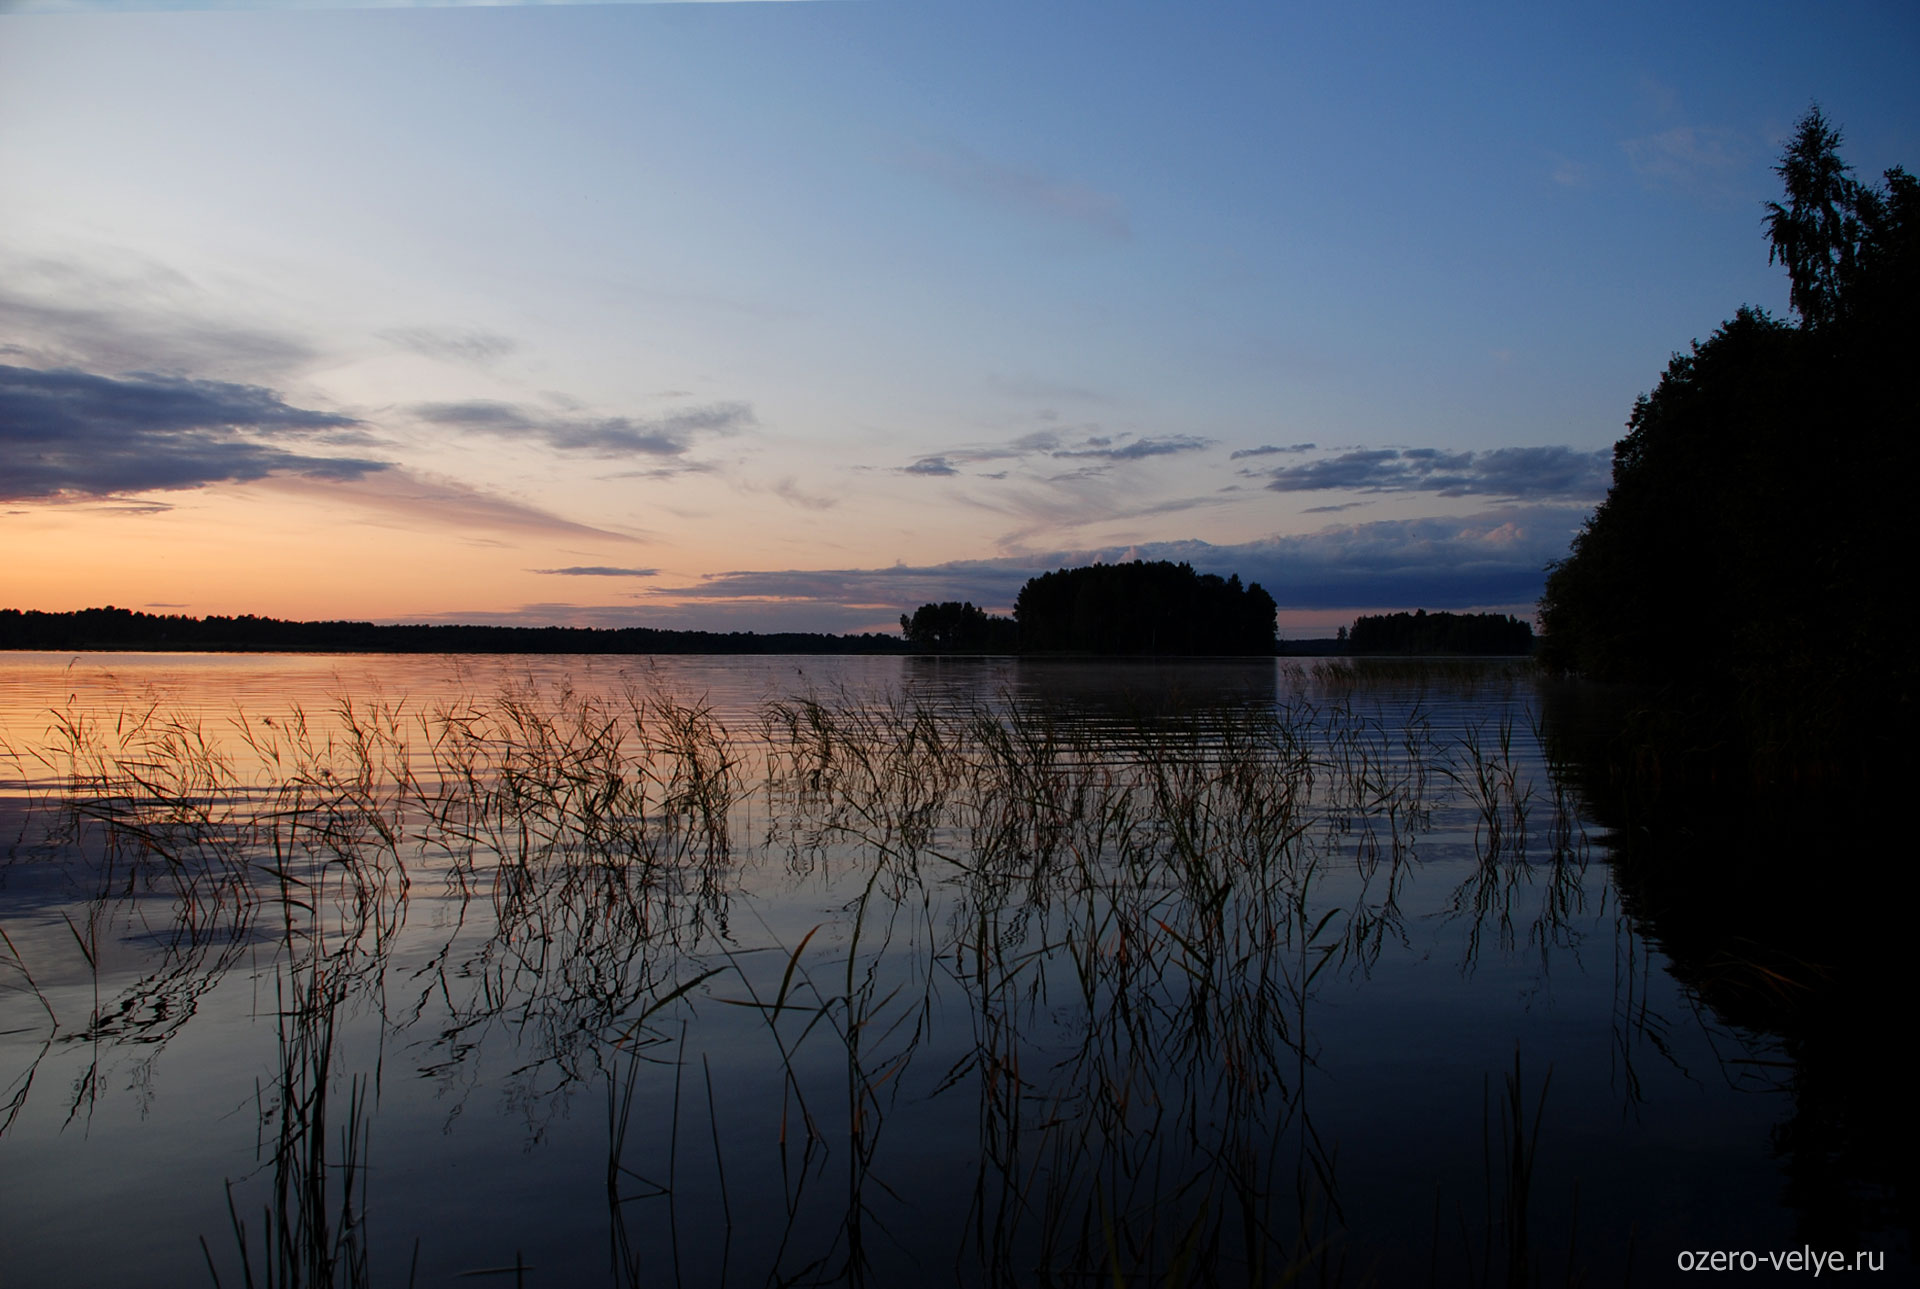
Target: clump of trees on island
[
  {"x": 1422, "y": 632},
  {"x": 1750, "y": 552},
  {"x": 956, "y": 626},
  {"x": 1141, "y": 607},
  {"x": 1166, "y": 608}
]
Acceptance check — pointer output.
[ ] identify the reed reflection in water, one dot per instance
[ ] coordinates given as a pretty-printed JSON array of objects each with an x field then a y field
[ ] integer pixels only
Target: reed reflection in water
[{"x": 870, "y": 983}]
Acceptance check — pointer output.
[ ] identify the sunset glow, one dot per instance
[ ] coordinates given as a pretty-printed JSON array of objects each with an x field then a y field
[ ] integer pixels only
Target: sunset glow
[{"x": 756, "y": 316}]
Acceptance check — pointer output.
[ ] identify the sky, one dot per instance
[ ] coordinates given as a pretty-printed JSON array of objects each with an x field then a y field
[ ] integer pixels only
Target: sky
[{"x": 794, "y": 316}]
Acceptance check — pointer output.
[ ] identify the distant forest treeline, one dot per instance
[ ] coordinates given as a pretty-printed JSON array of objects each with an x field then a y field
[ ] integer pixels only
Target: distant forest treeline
[
  {"x": 113, "y": 628},
  {"x": 1423, "y": 632}
]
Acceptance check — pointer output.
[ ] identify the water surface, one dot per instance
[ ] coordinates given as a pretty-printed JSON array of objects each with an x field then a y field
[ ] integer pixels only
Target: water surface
[{"x": 838, "y": 970}]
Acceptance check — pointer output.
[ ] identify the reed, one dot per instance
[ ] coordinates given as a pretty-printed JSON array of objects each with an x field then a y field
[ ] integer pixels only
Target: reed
[{"x": 1104, "y": 944}]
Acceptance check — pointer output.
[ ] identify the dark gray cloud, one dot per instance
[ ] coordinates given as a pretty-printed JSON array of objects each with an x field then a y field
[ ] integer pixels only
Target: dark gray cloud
[
  {"x": 1493, "y": 559},
  {"x": 614, "y": 436},
  {"x": 1090, "y": 445},
  {"x": 1545, "y": 473},
  {"x": 1268, "y": 449},
  {"x": 600, "y": 570},
  {"x": 930, "y": 466},
  {"x": 68, "y": 433},
  {"x": 1138, "y": 449}
]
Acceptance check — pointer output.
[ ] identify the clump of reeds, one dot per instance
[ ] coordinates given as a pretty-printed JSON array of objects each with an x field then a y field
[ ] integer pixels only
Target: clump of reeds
[{"x": 1134, "y": 922}]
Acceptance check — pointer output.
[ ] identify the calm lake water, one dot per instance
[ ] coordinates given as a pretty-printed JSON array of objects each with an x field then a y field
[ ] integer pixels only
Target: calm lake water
[{"x": 846, "y": 970}]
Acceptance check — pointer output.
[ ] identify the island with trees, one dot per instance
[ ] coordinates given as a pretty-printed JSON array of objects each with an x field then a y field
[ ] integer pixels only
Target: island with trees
[
  {"x": 1142, "y": 607},
  {"x": 1421, "y": 632}
]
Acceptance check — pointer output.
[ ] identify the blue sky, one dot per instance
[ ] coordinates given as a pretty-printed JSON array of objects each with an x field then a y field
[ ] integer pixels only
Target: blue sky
[{"x": 796, "y": 315}]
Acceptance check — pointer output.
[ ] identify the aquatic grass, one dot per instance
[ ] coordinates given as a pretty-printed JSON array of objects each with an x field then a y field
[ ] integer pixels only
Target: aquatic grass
[{"x": 1114, "y": 936}]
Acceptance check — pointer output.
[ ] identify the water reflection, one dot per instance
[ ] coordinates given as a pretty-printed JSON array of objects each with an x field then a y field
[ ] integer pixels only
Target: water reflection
[{"x": 1023, "y": 984}]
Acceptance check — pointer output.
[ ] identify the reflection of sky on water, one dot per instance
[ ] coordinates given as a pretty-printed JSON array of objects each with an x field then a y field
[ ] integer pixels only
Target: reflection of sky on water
[{"x": 485, "y": 1028}]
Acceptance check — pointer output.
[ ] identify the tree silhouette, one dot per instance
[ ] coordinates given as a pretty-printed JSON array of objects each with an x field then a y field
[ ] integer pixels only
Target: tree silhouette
[
  {"x": 1817, "y": 233},
  {"x": 1423, "y": 632},
  {"x": 957, "y": 626},
  {"x": 1753, "y": 551},
  {"x": 1144, "y": 607}
]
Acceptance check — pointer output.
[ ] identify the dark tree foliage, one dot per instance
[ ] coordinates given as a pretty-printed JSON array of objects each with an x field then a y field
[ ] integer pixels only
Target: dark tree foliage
[
  {"x": 1143, "y": 608},
  {"x": 1423, "y": 632},
  {"x": 957, "y": 627},
  {"x": 112, "y": 628},
  {"x": 1751, "y": 551}
]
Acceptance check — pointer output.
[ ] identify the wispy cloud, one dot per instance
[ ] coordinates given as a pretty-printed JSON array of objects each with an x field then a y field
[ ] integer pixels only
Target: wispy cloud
[
  {"x": 147, "y": 318},
  {"x": 67, "y": 433},
  {"x": 1138, "y": 449},
  {"x": 1020, "y": 188},
  {"x": 1569, "y": 174},
  {"x": 614, "y": 436},
  {"x": 599, "y": 570},
  {"x": 788, "y": 489},
  {"x": 467, "y": 348},
  {"x": 1540, "y": 473},
  {"x": 1085, "y": 444},
  {"x": 1694, "y": 159},
  {"x": 1268, "y": 449},
  {"x": 408, "y": 499}
]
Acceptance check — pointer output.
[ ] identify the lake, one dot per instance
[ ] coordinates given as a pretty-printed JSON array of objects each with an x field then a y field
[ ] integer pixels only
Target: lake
[{"x": 861, "y": 970}]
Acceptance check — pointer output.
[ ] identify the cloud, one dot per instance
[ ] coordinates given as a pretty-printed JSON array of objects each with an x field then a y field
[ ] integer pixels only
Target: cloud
[
  {"x": 1020, "y": 188},
  {"x": 1494, "y": 558},
  {"x": 930, "y": 466},
  {"x": 789, "y": 491},
  {"x": 469, "y": 348},
  {"x": 1497, "y": 558},
  {"x": 1569, "y": 174},
  {"x": 886, "y": 590},
  {"x": 141, "y": 320},
  {"x": 68, "y": 433},
  {"x": 1267, "y": 450},
  {"x": 405, "y": 499},
  {"x": 600, "y": 570},
  {"x": 1689, "y": 158},
  {"x": 1138, "y": 449},
  {"x": 948, "y": 461},
  {"x": 1530, "y": 473},
  {"x": 616, "y": 436},
  {"x": 1090, "y": 445}
]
